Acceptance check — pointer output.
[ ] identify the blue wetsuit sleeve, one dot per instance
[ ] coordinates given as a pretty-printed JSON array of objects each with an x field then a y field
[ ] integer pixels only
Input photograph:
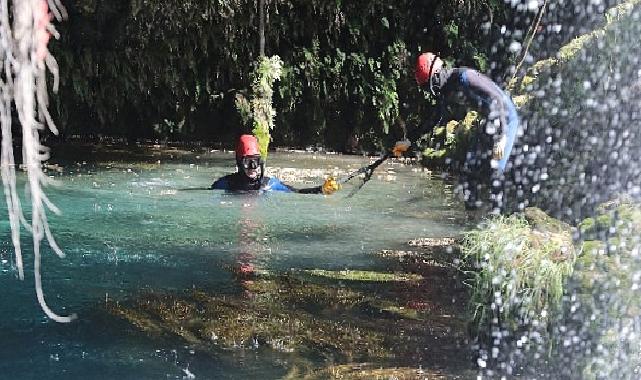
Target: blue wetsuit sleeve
[
  {"x": 490, "y": 95},
  {"x": 274, "y": 184},
  {"x": 512, "y": 120}
]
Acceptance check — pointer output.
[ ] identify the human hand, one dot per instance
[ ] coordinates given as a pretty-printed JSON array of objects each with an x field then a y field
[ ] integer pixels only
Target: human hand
[
  {"x": 330, "y": 186},
  {"x": 499, "y": 148},
  {"x": 401, "y": 147}
]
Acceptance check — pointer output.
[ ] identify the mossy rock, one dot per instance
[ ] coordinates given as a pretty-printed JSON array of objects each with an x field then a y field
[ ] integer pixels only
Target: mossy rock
[
  {"x": 541, "y": 221},
  {"x": 523, "y": 257}
]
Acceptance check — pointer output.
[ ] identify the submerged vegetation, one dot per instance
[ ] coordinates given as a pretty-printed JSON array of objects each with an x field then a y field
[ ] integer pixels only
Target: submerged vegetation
[{"x": 327, "y": 324}]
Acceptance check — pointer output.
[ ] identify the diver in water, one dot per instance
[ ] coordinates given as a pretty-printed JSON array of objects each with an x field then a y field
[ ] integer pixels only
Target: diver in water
[
  {"x": 251, "y": 174},
  {"x": 492, "y": 146}
]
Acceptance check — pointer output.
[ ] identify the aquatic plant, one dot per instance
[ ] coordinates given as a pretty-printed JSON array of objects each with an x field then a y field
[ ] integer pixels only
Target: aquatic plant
[
  {"x": 26, "y": 60},
  {"x": 522, "y": 264},
  {"x": 365, "y": 371}
]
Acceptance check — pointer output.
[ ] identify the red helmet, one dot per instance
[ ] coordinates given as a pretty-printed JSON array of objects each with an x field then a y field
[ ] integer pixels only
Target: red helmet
[
  {"x": 427, "y": 65},
  {"x": 247, "y": 146}
]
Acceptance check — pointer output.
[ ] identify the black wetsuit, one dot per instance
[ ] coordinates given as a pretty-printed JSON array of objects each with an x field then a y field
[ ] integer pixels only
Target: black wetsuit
[
  {"x": 487, "y": 96},
  {"x": 497, "y": 106}
]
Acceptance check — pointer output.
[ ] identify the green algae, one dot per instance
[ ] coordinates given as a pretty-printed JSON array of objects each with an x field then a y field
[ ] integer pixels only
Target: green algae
[{"x": 357, "y": 275}]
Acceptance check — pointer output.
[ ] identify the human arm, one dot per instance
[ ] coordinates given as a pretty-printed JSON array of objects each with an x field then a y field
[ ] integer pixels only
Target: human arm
[
  {"x": 330, "y": 186},
  {"x": 495, "y": 101},
  {"x": 222, "y": 183}
]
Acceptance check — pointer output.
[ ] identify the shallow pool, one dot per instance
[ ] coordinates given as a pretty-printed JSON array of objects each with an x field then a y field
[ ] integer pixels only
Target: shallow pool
[{"x": 132, "y": 226}]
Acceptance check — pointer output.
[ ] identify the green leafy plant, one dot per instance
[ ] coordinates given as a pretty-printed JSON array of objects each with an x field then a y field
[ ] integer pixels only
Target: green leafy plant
[{"x": 268, "y": 70}]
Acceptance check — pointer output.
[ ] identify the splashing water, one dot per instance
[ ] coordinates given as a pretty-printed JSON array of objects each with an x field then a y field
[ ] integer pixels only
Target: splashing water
[{"x": 578, "y": 159}]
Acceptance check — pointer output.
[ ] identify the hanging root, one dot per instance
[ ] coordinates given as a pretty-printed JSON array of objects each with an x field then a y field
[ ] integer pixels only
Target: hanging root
[{"x": 26, "y": 59}]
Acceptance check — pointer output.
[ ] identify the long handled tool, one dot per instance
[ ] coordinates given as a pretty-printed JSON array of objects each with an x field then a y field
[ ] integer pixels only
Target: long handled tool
[{"x": 368, "y": 170}]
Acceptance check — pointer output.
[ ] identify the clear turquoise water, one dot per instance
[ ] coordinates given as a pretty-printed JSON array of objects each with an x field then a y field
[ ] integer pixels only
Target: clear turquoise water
[{"x": 126, "y": 229}]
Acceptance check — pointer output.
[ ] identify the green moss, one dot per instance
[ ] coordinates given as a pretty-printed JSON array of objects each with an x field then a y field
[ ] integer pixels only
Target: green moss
[
  {"x": 603, "y": 222},
  {"x": 526, "y": 264},
  {"x": 592, "y": 246},
  {"x": 607, "y": 267},
  {"x": 432, "y": 154},
  {"x": 521, "y": 100},
  {"x": 451, "y": 126},
  {"x": 623, "y": 9},
  {"x": 569, "y": 50},
  {"x": 526, "y": 81},
  {"x": 268, "y": 70},
  {"x": 470, "y": 119},
  {"x": 438, "y": 131},
  {"x": 540, "y": 221},
  {"x": 542, "y": 64},
  {"x": 587, "y": 225}
]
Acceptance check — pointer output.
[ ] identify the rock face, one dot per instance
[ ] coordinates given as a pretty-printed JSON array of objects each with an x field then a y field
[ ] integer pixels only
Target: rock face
[
  {"x": 546, "y": 230},
  {"x": 607, "y": 309}
]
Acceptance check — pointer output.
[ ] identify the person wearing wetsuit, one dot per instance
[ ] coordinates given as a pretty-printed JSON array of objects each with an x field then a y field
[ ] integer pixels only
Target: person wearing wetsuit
[
  {"x": 251, "y": 174},
  {"x": 502, "y": 120}
]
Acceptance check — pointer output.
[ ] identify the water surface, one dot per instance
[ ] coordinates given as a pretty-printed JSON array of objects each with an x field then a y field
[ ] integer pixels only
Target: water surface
[{"x": 130, "y": 226}]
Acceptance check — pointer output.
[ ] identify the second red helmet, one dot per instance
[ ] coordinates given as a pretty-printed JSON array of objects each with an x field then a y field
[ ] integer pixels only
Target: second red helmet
[{"x": 427, "y": 65}]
